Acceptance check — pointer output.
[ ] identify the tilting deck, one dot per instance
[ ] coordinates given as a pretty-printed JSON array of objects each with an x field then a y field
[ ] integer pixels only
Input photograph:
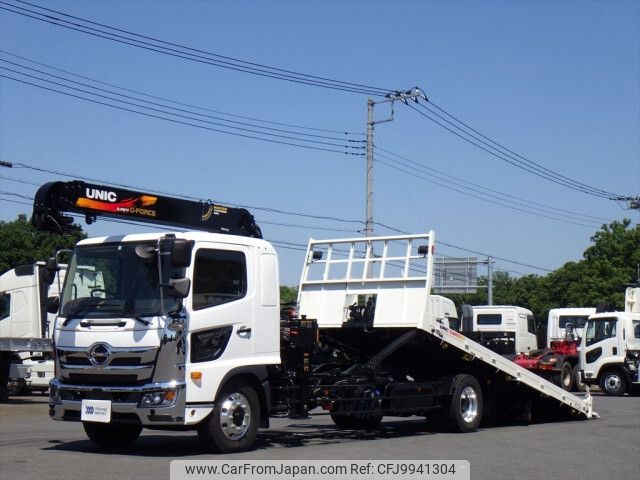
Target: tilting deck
[{"x": 397, "y": 273}]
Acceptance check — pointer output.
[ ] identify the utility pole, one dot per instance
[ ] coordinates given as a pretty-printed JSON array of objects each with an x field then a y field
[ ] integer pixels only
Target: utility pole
[
  {"x": 412, "y": 94},
  {"x": 489, "y": 281}
]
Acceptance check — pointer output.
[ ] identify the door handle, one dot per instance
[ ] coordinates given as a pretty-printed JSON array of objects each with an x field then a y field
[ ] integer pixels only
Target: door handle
[{"x": 242, "y": 330}]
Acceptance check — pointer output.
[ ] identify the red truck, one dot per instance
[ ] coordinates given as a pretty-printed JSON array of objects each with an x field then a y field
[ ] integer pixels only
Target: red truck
[{"x": 558, "y": 363}]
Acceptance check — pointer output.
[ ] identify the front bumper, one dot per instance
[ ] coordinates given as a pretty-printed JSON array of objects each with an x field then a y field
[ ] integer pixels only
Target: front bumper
[{"x": 65, "y": 402}]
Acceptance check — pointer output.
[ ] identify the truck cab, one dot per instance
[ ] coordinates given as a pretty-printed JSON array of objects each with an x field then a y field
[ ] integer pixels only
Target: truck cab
[
  {"x": 145, "y": 334},
  {"x": 559, "y": 318},
  {"x": 610, "y": 348},
  {"x": 25, "y": 326},
  {"x": 505, "y": 329}
]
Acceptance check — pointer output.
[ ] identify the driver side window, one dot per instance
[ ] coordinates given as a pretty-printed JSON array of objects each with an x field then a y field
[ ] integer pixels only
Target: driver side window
[
  {"x": 601, "y": 329},
  {"x": 220, "y": 276}
]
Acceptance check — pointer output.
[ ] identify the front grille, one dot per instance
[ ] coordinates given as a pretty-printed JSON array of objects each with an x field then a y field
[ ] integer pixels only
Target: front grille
[
  {"x": 91, "y": 379},
  {"x": 101, "y": 364}
]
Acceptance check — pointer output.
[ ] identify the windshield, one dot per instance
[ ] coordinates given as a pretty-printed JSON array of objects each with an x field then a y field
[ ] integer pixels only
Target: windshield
[
  {"x": 600, "y": 329},
  {"x": 578, "y": 321},
  {"x": 112, "y": 280}
]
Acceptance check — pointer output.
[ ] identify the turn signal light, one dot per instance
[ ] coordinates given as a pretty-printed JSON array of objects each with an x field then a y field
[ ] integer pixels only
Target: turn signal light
[{"x": 196, "y": 375}]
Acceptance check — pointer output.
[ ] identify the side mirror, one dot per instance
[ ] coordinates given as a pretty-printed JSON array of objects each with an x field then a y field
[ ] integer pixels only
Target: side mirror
[
  {"x": 181, "y": 253},
  {"x": 179, "y": 287},
  {"x": 467, "y": 319},
  {"x": 50, "y": 269},
  {"x": 53, "y": 304}
]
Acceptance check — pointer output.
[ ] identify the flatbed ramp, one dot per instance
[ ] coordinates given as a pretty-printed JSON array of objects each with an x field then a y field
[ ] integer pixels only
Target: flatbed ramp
[{"x": 385, "y": 282}]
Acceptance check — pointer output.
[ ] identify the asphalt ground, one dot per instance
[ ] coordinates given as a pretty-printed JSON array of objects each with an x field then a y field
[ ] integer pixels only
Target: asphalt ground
[{"x": 34, "y": 447}]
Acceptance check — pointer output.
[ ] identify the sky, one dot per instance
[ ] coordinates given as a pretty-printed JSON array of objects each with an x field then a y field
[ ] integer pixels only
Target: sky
[{"x": 555, "y": 82}]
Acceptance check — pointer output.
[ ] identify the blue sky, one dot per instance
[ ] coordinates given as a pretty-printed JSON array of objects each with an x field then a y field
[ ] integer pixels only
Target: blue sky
[{"x": 558, "y": 82}]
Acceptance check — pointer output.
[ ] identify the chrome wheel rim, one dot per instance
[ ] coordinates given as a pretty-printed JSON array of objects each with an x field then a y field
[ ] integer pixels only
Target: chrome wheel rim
[
  {"x": 613, "y": 383},
  {"x": 566, "y": 378},
  {"x": 469, "y": 404},
  {"x": 235, "y": 416}
]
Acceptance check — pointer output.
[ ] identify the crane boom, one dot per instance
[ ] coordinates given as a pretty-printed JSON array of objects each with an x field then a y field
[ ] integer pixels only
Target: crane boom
[{"x": 54, "y": 199}]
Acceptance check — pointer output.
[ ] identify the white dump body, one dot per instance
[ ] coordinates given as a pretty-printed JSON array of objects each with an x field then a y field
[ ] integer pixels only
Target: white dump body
[{"x": 398, "y": 271}]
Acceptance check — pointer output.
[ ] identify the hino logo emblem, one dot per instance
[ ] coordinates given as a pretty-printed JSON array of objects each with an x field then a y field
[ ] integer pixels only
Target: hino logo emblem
[{"x": 99, "y": 354}]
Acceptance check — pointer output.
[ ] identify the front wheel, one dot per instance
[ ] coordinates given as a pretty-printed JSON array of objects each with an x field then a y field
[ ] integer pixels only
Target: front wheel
[
  {"x": 112, "y": 434},
  {"x": 613, "y": 383},
  {"x": 465, "y": 410},
  {"x": 233, "y": 424}
]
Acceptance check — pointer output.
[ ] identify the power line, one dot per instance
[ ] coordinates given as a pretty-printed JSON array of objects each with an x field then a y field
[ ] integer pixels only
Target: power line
[
  {"x": 253, "y": 207},
  {"x": 206, "y": 109},
  {"x": 173, "y": 120},
  {"x": 170, "y": 107},
  {"x": 208, "y": 122},
  {"x": 464, "y": 249},
  {"x": 533, "y": 169},
  {"x": 501, "y": 146},
  {"x": 426, "y": 168},
  {"x": 478, "y": 196},
  {"x": 482, "y": 195},
  {"x": 185, "y": 52}
]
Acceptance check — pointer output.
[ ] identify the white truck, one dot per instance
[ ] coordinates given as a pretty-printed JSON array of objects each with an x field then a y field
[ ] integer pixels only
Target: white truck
[
  {"x": 25, "y": 323},
  {"x": 186, "y": 333},
  {"x": 25, "y": 339},
  {"x": 610, "y": 348},
  {"x": 559, "y": 318},
  {"x": 505, "y": 329}
]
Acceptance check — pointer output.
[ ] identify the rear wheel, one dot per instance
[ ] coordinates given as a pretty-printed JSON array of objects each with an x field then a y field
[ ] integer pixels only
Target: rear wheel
[
  {"x": 112, "y": 434},
  {"x": 233, "y": 424},
  {"x": 566, "y": 377},
  {"x": 613, "y": 383},
  {"x": 465, "y": 410}
]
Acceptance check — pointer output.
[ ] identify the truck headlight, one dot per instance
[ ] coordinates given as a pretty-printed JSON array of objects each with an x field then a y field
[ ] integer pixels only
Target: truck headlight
[{"x": 162, "y": 398}]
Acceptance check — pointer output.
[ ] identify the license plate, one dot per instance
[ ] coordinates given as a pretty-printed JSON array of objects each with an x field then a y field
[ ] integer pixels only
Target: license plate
[{"x": 96, "y": 411}]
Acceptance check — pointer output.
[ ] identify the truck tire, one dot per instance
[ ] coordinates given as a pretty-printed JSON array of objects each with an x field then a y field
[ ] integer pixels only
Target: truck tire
[
  {"x": 5, "y": 366},
  {"x": 233, "y": 424},
  {"x": 566, "y": 377},
  {"x": 112, "y": 434},
  {"x": 578, "y": 385},
  {"x": 16, "y": 387},
  {"x": 613, "y": 383},
  {"x": 351, "y": 422},
  {"x": 465, "y": 409}
]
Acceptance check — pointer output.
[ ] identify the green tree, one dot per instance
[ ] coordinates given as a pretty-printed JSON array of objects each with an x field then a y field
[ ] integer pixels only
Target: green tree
[
  {"x": 610, "y": 262},
  {"x": 22, "y": 244},
  {"x": 288, "y": 294}
]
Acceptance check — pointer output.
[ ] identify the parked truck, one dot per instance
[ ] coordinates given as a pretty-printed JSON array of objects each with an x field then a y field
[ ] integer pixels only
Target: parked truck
[
  {"x": 610, "y": 348},
  {"x": 559, "y": 318},
  {"x": 26, "y": 326},
  {"x": 187, "y": 334},
  {"x": 25, "y": 335},
  {"x": 505, "y": 329}
]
